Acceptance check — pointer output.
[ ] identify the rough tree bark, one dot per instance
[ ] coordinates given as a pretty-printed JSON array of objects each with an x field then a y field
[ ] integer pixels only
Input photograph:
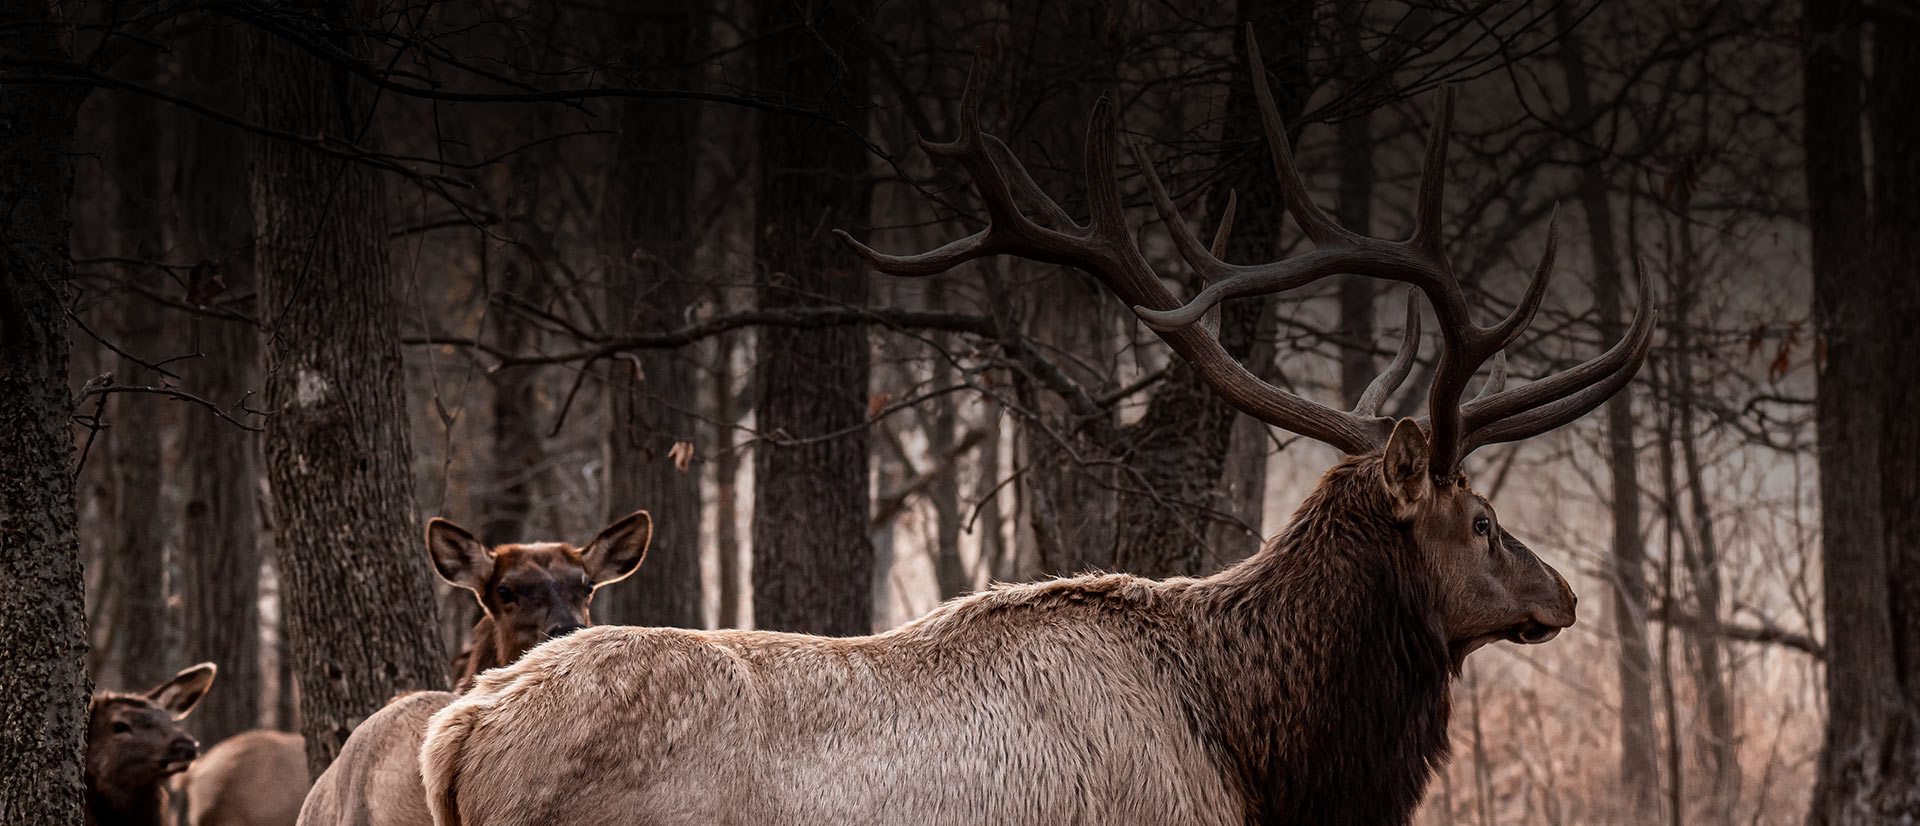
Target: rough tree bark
[
  {"x": 1177, "y": 451},
  {"x": 219, "y": 528},
  {"x": 1864, "y": 298},
  {"x": 812, "y": 556},
  {"x": 648, "y": 248},
  {"x": 1249, "y": 170},
  {"x": 357, "y": 591},
  {"x": 135, "y": 579},
  {"x": 1639, "y": 761},
  {"x": 43, "y": 681}
]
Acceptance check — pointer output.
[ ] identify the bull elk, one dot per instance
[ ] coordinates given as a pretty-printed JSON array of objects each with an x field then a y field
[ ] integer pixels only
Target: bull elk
[
  {"x": 528, "y": 593},
  {"x": 134, "y": 744},
  {"x": 1306, "y": 684}
]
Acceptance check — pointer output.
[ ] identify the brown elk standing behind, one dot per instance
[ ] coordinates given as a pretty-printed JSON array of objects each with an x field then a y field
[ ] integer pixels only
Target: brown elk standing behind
[
  {"x": 1305, "y": 685},
  {"x": 528, "y": 593},
  {"x": 134, "y": 743}
]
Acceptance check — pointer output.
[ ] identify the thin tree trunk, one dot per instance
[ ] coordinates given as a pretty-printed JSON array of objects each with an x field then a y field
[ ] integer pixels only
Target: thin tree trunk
[
  {"x": 135, "y": 581},
  {"x": 1639, "y": 761},
  {"x": 1354, "y": 210},
  {"x": 726, "y": 481},
  {"x": 506, "y": 501},
  {"x": 648, "y": 248},
  {"x": 812, "y": 556},
  {"x": 43, "y": 682},
  {"x": 1703, "y": 561},
  {"x": 220, "y": 530},
  {"x": 357, "y": 592},
  {"x": 950, "y": 571}
]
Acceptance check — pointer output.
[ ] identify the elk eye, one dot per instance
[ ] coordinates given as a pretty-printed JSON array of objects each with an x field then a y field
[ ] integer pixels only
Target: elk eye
[
  {"x": 1481, "y": 526},
  {"x": 504, "y": 593},
  {"x": 121, "y": 728}
]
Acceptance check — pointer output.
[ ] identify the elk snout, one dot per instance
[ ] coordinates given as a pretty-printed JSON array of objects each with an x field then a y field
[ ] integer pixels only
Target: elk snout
[
  {"x": 1551, "y": 616},
  {"x": 180, "y": 751}
]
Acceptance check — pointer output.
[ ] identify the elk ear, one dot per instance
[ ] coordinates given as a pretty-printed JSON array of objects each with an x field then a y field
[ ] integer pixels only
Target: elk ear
[
  {"x": 179, "y": 694},
  {"x": 1404, "y": 465},
  {"x": 617, "y": 551},
  {"x": 458, "y": 556}
]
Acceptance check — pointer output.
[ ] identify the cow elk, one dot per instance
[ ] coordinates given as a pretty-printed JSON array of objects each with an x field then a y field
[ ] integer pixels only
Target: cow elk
[
  {"x": 528, "y": 593},
  {"x": 134, "y": 744},
  {"x": 1307, "y": 684}
]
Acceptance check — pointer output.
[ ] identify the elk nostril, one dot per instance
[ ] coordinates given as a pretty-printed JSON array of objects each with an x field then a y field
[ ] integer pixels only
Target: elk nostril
[{"x": 559, "y": 631}]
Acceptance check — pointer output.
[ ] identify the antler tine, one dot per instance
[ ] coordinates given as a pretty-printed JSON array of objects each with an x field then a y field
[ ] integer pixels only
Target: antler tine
[
  {"x": 1108, "y": 216},
  {"x": 1219, "y": 249},
  {"x": 967, "y": 139},
  {"x": 1497, "y": 379},
  {"x": 933, "y": 262},
  {"x": 1206, "y": 264},
  {"x": 1540, "y": 406},
  {"x": 1384, "y": 384},
  {"x": 1433, "y": 177},
  {"x": 1024, "y": 186},
  {"x": 1510, "y": 328},
  {"x": 1293, "y": 190}
]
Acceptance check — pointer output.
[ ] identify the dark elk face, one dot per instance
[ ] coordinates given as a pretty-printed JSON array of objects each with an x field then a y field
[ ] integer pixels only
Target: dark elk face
[
  {"x": 538, "y": 590},
  {"x": 133, "y": 740},
  {"x": 1489, "y": 586}
]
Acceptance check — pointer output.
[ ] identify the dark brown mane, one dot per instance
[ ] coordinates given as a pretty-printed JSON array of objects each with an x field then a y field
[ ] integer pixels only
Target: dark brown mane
[{"x": 1333, "y": 608}]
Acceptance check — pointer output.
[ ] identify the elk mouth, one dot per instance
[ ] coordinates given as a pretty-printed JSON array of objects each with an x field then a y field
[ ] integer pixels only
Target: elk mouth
[
  {"x": 175, "y": 766},
  {"x": 1533, "y": 632}
]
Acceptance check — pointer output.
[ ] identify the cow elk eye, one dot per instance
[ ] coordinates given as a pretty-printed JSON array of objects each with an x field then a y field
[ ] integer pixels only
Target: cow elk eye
[
  {"x": 121, "y": 728},
  {"x": 504, "y": 593},
  {"x": 1481, "y": 525}
]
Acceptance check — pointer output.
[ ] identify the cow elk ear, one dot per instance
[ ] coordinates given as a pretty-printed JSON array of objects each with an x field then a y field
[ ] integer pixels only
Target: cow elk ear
[
  {"x": 458, "y": 556},
  {"x": 1404, "y": 467},
  {"x": 179, "y": 694},
  {"x": 616, "y": 552}
]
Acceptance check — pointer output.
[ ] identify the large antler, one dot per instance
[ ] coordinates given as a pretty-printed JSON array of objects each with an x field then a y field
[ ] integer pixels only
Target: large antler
[{"x": 1106, "y": 248}]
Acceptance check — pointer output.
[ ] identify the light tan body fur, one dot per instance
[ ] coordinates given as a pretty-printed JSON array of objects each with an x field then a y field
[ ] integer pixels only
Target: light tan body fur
[
  {"x": 937, "y": 722},
  {"x": 254, "y": 778},
  {"x": 376, "y": 779}
]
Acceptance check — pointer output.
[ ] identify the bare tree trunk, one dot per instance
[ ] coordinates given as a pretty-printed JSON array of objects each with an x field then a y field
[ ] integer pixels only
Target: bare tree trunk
[
  {"x": 812, "y": 556},
  {"x": 1639, "y": 761},
  {"x": 135, "y": 580},
  {"x": 43, "y": 682},
  {"x": 649, "y": 254},
  {"x": 506, "y": 500},
  {"x": 356, "y": 589},
  {"x": 1703, "y": 561},
  {"x": 220, "y": 530},
  {"x": 1178, "y": 450},
  {"x": 1355, "y": 212},
  {"x": 726, "y": 480},
  {"x": 996, "y": 562},
  {"x": 1867, "y": 771},
  {"x": 950, "y": 571}
]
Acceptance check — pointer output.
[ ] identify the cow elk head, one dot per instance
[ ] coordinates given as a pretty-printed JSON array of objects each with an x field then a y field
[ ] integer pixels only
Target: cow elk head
[
  {"x": 1488, "y": 585},
  {"x": 537, "y": 591},
  {"x": 134, "y": 741}
]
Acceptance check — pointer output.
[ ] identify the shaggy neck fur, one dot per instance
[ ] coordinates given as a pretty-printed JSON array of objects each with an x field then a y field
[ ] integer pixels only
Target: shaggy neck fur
[
  {"x": 1330, "y": 704},
  {"x": 139, "y": 807}
]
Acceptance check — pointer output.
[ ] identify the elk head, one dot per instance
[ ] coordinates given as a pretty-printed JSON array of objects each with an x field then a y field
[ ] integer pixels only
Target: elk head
[
  {"x": 1487, "y": 584},
  {"x": 536, "y": 591},
  {"x": 134, "y": 741}
]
